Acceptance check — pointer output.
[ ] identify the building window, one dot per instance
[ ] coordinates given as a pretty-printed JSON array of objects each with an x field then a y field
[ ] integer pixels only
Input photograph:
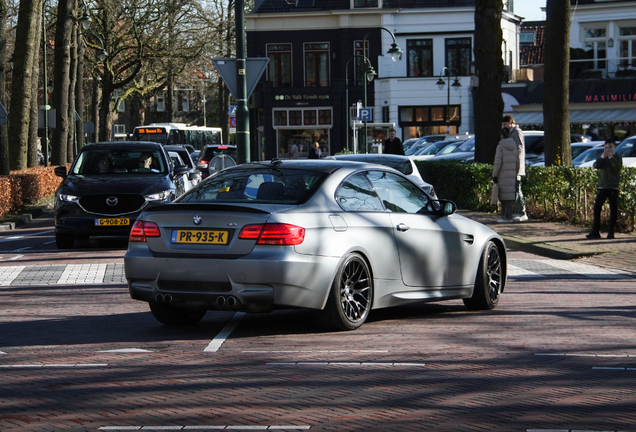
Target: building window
[
  {"x": 182, "y": 100},
  {"x": 279, "y": 69},
  {"x": 161, "y": 106},
  {"x": 420, "y": 57},
  {"x": 317, "y": 64},
  {"x": 365, "y": 4},
  {"x": 458, "y": 56},
  {"x": 359, "y": 64},
  {"x": 627, "y": 46},
  {"x": 119, "y": 130},
  {"x": 121, "y": 106},
  {"x": 526, "y": 38},
  {"x": 295, "y": 118},
  {"x": 280, "y": 118},
  {"x": 417, "y": 121},
  {"x": 594, "y": 45}
]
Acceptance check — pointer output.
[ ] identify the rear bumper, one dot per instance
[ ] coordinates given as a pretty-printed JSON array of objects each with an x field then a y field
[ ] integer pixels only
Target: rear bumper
[
  {"x": 268, "y": 277},
  {"x": 85, "y": 226}
]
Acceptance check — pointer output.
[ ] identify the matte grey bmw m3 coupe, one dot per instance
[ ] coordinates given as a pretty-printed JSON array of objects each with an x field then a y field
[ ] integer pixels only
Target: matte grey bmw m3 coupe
[{"x": 339, "y": 237}]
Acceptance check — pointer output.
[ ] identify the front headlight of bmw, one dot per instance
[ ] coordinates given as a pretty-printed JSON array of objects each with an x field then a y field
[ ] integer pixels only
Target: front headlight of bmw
[
  {"x": 67, "y": 198},
  {"x": 159, "y": 196}
]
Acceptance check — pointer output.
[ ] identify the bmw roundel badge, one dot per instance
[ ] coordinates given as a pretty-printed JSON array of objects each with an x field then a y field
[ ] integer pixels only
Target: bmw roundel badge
[{"x": 197, "y": 220}]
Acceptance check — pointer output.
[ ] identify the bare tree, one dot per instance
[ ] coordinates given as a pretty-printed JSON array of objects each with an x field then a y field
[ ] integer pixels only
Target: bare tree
[
  {"x": 4, "y": 142},
  {"x": 488, "y": 108},
  {"x": 24, "y": 54},
  {"x": 556, "y": 114}
]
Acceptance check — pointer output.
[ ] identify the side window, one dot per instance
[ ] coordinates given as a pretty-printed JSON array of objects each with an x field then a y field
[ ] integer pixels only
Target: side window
[
  {"x": 356, "y": 194},
  {"x": 398, "y": 194}
]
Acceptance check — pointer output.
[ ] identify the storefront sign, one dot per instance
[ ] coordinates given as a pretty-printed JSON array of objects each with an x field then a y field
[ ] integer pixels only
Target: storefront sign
[
  {"x": 300, "y": 97},
  {"x": 610, "y": 98}
]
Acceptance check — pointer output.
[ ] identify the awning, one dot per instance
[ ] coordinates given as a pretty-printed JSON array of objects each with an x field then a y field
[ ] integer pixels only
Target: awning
[{"x": 622, "y": 115}]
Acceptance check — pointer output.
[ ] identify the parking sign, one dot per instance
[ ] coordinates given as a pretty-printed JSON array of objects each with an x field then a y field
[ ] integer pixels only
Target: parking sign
[{"x": 366, "y": 114}]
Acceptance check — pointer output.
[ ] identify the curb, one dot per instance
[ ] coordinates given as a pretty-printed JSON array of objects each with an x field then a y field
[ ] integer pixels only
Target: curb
[
  {"x": 23, "y": 219},
  {"x": 544, "y": 249}
]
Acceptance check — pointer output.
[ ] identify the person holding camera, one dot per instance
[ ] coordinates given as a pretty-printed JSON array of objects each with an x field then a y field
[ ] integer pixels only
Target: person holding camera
[{"x": 609, "y": 167}]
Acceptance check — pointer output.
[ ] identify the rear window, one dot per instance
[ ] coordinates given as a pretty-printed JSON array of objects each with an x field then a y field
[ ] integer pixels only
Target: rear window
[
  {"x": 210, "y": 152},
  {"x": 266, "y": 185}
]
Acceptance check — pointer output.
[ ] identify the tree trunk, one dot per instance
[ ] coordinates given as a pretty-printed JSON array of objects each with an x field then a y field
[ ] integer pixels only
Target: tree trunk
[
  {"x": 105, "y": 113},
  {"x": 95, "y": 110},
  {"x": 488, "y": 106},
  {"x": 79, "y": 94},
  {"x": 4, "y": 142},
  {"x": 556, "y": 113},
  {"x": 71, "y": 143},
  {"x": 62, "y": 81},
  {"x": 25, "y": 48},
  {"x": 34, "y": 142}
]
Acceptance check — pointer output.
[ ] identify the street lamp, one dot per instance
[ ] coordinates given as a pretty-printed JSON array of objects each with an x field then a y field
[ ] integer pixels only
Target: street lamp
[
  {"x": 369, "y": 74},
  {"x": 396, "y": 54},
  {"x": 440, "y": 84}
]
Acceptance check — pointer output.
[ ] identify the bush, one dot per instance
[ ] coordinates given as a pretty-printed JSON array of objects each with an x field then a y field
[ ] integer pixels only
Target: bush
[
  {"x": 557, "y": 193},
  {"x": 21, "y": 188}
]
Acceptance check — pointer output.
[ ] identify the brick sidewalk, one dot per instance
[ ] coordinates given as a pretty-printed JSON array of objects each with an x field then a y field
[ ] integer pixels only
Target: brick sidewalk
[{"x": 619, "y": 253}]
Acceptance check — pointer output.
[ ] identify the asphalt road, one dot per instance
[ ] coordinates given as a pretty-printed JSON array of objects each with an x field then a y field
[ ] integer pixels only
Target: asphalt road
[{"x": 557, "y": 354}]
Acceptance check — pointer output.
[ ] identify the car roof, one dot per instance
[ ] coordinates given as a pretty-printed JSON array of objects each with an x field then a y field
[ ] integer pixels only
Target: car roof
[
  {"x": 325, "y": 165},
  {"x": 175, "y": 147},
  {"x": 364, "y": 156},
  {"x": 122, "y": 144}
]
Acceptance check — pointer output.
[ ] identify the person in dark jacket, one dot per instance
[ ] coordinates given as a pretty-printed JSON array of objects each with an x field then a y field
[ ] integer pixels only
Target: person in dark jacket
[
  {"x": 393, "y": 145},
  {"x": 609, "y": 167},
  {"x": 314, "y": 152}
]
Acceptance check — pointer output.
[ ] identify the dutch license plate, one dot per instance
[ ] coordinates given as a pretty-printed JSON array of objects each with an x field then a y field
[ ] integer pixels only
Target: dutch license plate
[
  {"x": 199, "y": 237},
  {"x": 112, "y": 222}
]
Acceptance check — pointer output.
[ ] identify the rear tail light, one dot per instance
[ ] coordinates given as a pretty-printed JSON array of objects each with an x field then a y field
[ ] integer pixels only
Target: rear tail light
[
  {"x": 142, "y": 229},
  {"x": 273, "y": 234}
]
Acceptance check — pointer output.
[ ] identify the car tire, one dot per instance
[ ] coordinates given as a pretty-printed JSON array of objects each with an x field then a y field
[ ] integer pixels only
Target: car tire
[
  {"x": 170, "y": 315},
  {"x": 351, "y": 296},
  {"x": 490, "y": 280},
  {"x": 64, "y": 241}
]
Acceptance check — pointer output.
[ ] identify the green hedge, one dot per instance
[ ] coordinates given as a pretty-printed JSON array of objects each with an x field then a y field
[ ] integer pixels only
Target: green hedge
[{"x": 553, "y": 193}]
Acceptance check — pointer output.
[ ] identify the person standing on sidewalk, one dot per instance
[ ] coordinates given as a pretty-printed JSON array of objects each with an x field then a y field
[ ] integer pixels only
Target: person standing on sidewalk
[
  {"x": 609, "y": 167},
  {"x": 504, "y": 173},
  {"x": 516, "y": 134},
  {"x": 393, "y": 145}
]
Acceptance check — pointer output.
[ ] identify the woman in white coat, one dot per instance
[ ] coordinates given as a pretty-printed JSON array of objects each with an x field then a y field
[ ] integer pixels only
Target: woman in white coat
[{"x": 505, "y": 172}]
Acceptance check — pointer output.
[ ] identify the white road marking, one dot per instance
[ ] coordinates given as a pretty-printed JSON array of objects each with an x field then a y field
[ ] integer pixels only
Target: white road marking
[
  {"x": 208, "y": 427},
  {"x": 8, "y": 274},
  {"x": 3, "y": 353},
  {"x": 126, "y": 350},
  {"x": 343, "y": 364},
  {"x": 69, "y": 365},
  {"x": 216, "y": 343},
  {"x": 584, "y": 355},
  {"x": 16, "y": 257},
  {"x": 20, "y": 237},
  {"x": 22, "y": 249},
  {"x": 83, "y": 274},
  {"x": 314, "y": 351},
  {"x": 49, "y": 242},
  {"x": 515, "y": 271}
]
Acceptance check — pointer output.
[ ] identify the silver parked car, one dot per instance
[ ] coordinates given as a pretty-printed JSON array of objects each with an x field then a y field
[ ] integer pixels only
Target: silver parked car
[{"x": 339, "y": 237}]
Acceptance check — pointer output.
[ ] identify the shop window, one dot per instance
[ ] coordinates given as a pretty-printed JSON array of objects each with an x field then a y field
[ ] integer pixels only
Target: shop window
[
  {"x": 324, "y": 117},
  {"x": 419, "y": 58},
  {"x": 429, "y": 120},
  {"x": 594, "y": 45},
  {"x": 357, "y": 4},
  {"x": 458, "y": 56},
  {"x": 317, "y": 64},
  {"x": 279, "y": 69}
]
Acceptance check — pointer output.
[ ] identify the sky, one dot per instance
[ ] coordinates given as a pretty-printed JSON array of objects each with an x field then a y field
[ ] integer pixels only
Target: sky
[{"x": 530, "y": 9}]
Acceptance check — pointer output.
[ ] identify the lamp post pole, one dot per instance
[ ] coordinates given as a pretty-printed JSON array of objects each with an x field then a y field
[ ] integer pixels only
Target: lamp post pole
[
  {"x": 440, "y": 84},
  {"x": 396, "y": 54},
  {"x": 242, "y": 112},
  {"x": 45, "y": 81},
  {"x": 369, "y": 73}
]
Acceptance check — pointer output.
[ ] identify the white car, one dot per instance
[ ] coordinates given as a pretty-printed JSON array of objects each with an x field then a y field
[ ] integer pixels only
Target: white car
[{"x": 401, "y": 163}]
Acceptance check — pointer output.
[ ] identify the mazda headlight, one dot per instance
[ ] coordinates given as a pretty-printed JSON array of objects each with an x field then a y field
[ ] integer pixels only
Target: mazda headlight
[
  {"x": 67, "y": 198},
  {"x": 159, "y": 196}
]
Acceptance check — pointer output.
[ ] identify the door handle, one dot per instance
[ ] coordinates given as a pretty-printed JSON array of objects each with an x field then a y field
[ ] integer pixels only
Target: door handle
[{"x": 403, "y": 227}]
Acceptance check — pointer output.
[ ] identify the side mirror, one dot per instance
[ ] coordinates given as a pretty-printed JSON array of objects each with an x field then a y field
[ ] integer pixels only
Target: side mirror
[
  {"x": 180, "y": 170},
  {"x": 447, "y": 207},
  {"x": 193, "y": 175},
  {"x": 60, "y": 171}
]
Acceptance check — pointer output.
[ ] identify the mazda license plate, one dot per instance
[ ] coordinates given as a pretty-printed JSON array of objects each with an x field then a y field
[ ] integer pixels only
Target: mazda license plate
[{"x": 112, "y": 222}]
